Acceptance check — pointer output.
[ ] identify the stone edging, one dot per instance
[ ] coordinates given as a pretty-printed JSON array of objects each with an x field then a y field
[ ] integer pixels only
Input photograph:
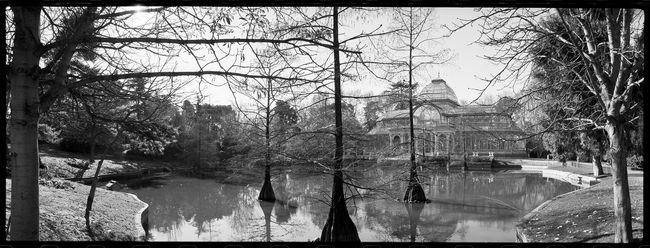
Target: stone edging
[
  {"x": 141, "y": 217},
  {"x": 572, "y": 178}
]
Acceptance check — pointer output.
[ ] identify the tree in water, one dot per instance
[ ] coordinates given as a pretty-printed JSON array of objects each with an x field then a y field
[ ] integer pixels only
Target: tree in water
[
  {"x": 412, "y": 33},
  {"x": 273, "y": 116},
  {"x": 90, "y": 28},
  {"x": 339, "y": 225},
  {"x": 266, "y": 193},
  {"x": 413, "y": 26}
]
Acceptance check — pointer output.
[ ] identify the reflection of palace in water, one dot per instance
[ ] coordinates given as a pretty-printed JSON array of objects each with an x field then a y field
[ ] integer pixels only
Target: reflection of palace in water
[
  {"x": 441, "y": 124},
  {"x": 198, "y": 209}
]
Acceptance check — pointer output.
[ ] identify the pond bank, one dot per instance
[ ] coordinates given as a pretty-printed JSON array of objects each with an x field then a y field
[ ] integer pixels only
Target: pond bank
[
  {"x": 585, "y": 215},
  {"x": 115, "y": 216}
]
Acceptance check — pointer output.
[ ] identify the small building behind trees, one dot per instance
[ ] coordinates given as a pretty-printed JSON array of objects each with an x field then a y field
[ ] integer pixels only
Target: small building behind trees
[{"x": 441, "y": 125}]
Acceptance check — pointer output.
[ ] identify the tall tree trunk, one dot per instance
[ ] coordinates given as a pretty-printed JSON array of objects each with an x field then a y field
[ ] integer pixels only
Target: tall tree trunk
[
  {"x": 93, "y": 186},
  {"x": 598, "y": 165},
  {"x": 91, "y": 156},
  {"x": 414, "y": 192},
  {"x": 599, "y": 153},
  {"x": 24, "y": 122},
  {"x": 267, "y": 194},
  {"x": 622, "y": 208},
  {"x": 339, "y": 226}
]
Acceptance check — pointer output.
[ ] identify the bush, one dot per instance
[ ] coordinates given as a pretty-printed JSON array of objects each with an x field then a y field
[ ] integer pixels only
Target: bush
[
  {"x": 141, "y": 155},
  {"x": 583, "y": 156},
  {"x": 635, "y": 161},
  {"x": 571, "y": 156},
  {"x": 173, "y": 151},
  {"x": 47, "y": 134}
]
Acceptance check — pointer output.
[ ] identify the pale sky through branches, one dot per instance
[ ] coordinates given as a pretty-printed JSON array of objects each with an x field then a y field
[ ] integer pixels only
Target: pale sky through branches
[{"x": 462, "y": 72}]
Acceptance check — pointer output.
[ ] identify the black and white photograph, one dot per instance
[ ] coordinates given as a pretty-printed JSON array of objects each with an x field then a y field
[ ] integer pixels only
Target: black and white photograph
[{"x": 322, "y": 124}]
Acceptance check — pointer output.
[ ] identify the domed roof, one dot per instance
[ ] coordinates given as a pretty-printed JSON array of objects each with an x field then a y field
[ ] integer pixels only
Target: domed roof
[{"x": 438, "y": 90}]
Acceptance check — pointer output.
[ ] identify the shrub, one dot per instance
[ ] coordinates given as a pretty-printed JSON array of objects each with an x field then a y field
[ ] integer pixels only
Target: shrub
[
  {"x": 635, "y": 161},
  {"x": 583, "y": 156},
  {"x": 135, "y": 154},
  {"x": 173, "y": 151},
  {"x": 47, "y": 134}
]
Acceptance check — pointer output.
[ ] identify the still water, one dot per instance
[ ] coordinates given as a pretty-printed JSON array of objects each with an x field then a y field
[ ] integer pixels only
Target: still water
[{"x": 465, "y": 207}]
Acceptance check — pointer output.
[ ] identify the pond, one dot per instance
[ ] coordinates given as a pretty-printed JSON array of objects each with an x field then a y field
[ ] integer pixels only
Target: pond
[{"x": 465, "y": 207}]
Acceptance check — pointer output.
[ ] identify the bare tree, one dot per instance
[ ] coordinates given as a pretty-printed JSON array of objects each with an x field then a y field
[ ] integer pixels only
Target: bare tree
[
  {"x": 612, "y": 70},
  {"x": 339, "y": 226},
  {"x": 267, "y": 96},
  {"x": 413, "y": 35},
  {"x": 107, "y": 35}
]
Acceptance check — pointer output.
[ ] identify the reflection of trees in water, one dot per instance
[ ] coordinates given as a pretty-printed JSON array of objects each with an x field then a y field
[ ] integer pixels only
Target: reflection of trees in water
[
  {"x": 242, "y": 214},
  {"x": 519, "y": 192},
  {"x": 286, "y": 200},
  {"x": 189, "y": 199},
  {"x": 493, "y": 200},
  {"x": 396, "y": 221},
  {"x": 267, "y": 208},
  {"x": 284, "y": 211},
  {"x": 312, "y": 192},
  {"x": 414, "y": 210},
  {"x": 486, "y": 197},
  {"x": 379, "y": 181}
]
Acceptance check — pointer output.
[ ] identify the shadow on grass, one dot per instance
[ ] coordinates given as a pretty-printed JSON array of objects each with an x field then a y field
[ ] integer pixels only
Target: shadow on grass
[{"x": 607, "y": 235}]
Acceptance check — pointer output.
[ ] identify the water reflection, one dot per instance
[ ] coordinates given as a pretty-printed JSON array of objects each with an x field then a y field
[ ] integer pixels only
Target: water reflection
[
  {"x": 470, "y": 206},
  {"x": 267, "y": 207},
  {"x": 414, "y": 210}
]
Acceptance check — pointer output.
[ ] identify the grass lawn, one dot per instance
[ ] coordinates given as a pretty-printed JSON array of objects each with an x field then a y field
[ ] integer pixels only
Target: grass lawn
[
  {"x": 62, "y": 208},
  {"x": 585, "y": 215}
]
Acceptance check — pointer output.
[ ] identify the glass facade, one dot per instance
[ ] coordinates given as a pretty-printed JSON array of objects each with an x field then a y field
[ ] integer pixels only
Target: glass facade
[{"x": 442, "y": 126}]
